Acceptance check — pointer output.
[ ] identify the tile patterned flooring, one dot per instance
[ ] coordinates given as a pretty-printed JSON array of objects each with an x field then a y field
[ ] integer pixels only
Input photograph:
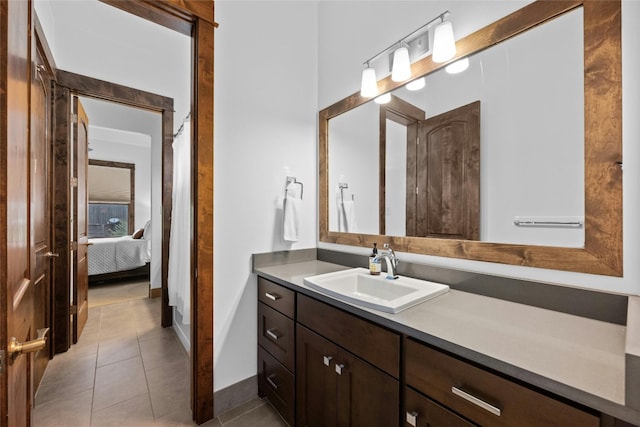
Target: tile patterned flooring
[{"x": 126, "y": 370}]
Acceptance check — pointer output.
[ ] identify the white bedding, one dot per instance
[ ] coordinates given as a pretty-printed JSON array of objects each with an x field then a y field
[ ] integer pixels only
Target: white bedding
[{"x": 110, "y": 254}]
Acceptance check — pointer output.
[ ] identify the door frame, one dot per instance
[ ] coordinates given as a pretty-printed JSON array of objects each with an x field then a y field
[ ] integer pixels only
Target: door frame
[
  {"x": 68, "y": 85},
  {"x": 194, "y": 18}
]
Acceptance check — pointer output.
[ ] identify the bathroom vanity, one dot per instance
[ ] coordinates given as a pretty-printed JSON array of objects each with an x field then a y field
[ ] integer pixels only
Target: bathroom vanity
[{"x": 459, "y": 359}]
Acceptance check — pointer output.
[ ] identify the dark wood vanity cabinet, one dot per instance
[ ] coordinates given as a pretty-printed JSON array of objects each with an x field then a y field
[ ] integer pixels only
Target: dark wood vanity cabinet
[
  {"x": 336, "y": 388},
  {"x": 481, "y": 397},
  {"x": 276, "y": 347},
  {"x": 321, "y": 366}
]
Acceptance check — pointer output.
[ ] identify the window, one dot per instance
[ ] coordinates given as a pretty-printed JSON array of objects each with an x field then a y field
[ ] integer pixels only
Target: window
[{"x": 111, "y": 198}]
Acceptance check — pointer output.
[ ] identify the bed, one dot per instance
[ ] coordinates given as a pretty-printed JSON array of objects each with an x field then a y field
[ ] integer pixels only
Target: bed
[{"x": 118, "y": 257}]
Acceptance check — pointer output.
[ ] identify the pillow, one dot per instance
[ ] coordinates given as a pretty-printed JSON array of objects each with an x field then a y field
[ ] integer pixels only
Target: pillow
[
  {"x": 138, "y": 234},
  {"x": 146, "y": 234}
]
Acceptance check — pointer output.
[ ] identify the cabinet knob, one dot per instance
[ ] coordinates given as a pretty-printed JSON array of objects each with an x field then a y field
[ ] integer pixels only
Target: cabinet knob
[
  {"x": 412, "y": 418},
  {"x": 327, "y": 360},
  {"x": 339, "y": 368}
]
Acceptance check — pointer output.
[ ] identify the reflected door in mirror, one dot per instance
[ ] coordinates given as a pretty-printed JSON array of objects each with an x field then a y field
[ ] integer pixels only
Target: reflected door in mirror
[{"x": 444, "y": 169}]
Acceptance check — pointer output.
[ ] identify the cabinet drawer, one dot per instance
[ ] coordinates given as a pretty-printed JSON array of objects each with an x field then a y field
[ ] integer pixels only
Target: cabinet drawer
[
  {"x": 275, "y": 382},
  {"x": 423, "y": 412},
  {"x": 483, "y": 397},
  {"x": 366, "y": 340},
  {"x": 276, "y": 335},
  {"x": 277, "y": 297}
]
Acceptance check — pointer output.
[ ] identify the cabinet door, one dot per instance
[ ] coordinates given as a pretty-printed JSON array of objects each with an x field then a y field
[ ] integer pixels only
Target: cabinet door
[
  {"x": 366, "y": 396},
  {"x": 315, "y": 379},
  {"x": 423, "y": 412}
]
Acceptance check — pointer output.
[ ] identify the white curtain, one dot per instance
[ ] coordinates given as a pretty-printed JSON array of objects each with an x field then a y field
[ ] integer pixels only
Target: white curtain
[{"x": 179, "y": 276}]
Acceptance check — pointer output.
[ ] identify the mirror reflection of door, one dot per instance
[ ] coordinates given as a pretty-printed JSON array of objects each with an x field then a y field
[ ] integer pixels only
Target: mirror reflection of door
[
  {"x": 446, "y": 176},
  {"x": 440, "y": 158}
]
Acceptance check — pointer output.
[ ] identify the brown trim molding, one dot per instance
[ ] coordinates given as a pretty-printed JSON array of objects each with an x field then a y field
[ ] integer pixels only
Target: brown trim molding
[
  {"x": 95, "y": 88},
  {"x": 602, "y": 252}
]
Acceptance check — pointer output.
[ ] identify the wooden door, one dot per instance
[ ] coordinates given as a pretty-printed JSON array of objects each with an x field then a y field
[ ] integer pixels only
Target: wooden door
[
  {"x": 79, "y": 226},
  {"x": 366, "y": 396},
  {"x": 447, "y": 176},
  {"x": 42, "y": 257},
  {"x": 17, "y": 293},
  {"x": 315, "y": 379}
]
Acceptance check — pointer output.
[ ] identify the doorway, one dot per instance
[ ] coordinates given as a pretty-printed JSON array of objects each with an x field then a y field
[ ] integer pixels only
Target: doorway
[{"x": 196, "y": 20}]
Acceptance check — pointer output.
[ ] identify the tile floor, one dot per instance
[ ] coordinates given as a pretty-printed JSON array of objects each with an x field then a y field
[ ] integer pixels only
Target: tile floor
[{"x": 128, "y": 371}]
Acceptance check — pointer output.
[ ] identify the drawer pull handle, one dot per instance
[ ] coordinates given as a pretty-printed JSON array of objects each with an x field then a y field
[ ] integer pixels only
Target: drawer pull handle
[
  {"x": 272, "y": 297},
  {"x": 412, "y": 418},
  {"x": 327, "y": 360},
  {"x": 478, "y": 402},
  {"x": 271, "y": 381},
  {"x": 339, "y": 368},
  {"x": 272, "y": 334}
]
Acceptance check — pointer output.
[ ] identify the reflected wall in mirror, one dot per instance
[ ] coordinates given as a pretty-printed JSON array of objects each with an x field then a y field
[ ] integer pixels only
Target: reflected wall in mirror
[{"x": 550, "y": 143}]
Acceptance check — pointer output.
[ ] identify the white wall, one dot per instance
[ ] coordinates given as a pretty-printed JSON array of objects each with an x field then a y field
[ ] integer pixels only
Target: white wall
[
  {"x": 265, "y": 121},
  {"x": 342, "y": 50}
]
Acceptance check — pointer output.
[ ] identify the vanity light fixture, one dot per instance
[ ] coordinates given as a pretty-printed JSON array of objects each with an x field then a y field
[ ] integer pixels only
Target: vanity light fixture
[
  {"x": 444, "y": 44},
  {"x": 383, "y": 99},
  {"x": 369, "y": 85},
  {"x": 417, "y": 84},
  {"x": 457, "y": 67},
  {"x": 401, "y": 65},
  {"x": 444, "y": 49}
]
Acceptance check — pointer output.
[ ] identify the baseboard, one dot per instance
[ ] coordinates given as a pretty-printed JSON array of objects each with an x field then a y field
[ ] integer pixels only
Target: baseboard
[
  {"x": 235, "y": 395},
  {"x": 155, "y": 292}
]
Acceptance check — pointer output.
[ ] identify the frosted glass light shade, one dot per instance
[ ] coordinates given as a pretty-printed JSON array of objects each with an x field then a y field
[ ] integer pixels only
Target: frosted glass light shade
[
  {"x": 383, "y": 99},
  {"x": 444, "y": 45},
  {"x": 457, "y": 67},
  {"x": 401, "y": 66},
  {"x": 416, "y": 84},
  {"x": 369, "y": 84}
]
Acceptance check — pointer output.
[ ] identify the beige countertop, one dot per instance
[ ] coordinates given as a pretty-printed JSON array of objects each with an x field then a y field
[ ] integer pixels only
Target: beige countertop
[{"x": 575, "y": 357}]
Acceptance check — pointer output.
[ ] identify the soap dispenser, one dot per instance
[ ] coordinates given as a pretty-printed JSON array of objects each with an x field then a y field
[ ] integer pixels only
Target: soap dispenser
[{"x": 375, "y": 266}]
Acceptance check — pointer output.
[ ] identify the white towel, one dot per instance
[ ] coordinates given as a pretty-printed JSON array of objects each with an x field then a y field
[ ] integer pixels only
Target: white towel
[
  {"x": 347, "y": 216},
  {"x": 291, "y": 214}
]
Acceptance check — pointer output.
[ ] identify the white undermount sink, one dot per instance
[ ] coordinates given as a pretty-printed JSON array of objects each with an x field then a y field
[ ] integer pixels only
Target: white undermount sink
[{"x": 359, "y": 287}]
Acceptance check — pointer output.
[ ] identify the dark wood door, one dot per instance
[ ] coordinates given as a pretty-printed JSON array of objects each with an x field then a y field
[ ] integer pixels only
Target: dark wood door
[
  {"x": 446, "y": 178},
  {"x": 366, "y": 396},
  {"x": 16, "y": 322},
  {"x": 423, "y": 412},
  {"x": 80, "y": 273},
  {"x": 316, "y": 380},
  {"x": 42, "y": 257}
]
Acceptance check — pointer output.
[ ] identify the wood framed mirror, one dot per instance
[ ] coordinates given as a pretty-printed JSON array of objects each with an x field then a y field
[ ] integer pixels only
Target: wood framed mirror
[{"x": 602, "y": 249}]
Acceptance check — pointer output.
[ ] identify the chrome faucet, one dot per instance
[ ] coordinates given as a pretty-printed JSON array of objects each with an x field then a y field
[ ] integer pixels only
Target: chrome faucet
[{"x": 391, "y": 260}]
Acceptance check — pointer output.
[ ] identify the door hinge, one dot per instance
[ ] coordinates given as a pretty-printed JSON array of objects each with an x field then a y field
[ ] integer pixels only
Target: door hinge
[
  {"x": 417, "y": 190},
  {"x": 74, "y": 246},
  {"x": 2, "y": 361},
  {"x": 74, "y": 118},
  {"x": 73, "y": 181},
  {"x": 73, "y": 309}
]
